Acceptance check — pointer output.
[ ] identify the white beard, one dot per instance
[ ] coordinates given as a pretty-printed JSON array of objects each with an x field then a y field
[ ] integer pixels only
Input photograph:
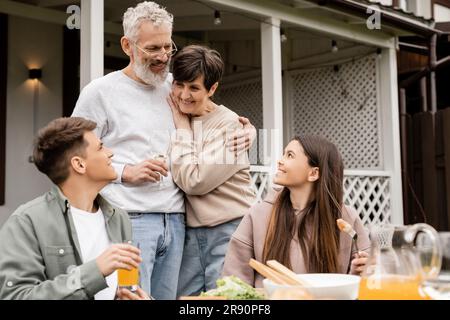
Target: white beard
[{"x": 143, "y": 72}]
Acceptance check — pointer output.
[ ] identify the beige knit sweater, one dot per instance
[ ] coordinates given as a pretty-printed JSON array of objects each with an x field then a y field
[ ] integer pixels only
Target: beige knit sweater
[{"x": 216, "y": 181}]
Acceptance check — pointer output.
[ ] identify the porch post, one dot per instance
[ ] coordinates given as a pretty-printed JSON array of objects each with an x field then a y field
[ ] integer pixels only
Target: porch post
[
  {"x": 92, "y": 38},
  {"x": 390, "y": 130},
  {"x": 272, "y": 91}
]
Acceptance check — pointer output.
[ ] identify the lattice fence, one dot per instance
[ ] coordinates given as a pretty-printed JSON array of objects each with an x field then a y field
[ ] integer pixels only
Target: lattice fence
[
  {"x": 340, "y": 105},
  {"x": 368, "y": 195},
  {"x": 245, "y": 98},
  {"x": 260, "y": 181}
]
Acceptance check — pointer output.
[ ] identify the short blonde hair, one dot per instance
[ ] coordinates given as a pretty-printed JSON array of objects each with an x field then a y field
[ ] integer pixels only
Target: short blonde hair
[{"x": 145, "y": 11}]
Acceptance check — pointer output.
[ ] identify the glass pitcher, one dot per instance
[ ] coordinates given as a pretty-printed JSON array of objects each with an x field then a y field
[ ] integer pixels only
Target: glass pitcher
[{"x": 394, "y": 270}]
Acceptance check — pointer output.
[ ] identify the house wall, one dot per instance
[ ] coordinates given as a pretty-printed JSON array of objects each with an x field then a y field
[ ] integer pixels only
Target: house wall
[
  {"x": 441, "y": 13},
  {"x": 421, "y": 8},
  {"x": 32, "y": 44}
]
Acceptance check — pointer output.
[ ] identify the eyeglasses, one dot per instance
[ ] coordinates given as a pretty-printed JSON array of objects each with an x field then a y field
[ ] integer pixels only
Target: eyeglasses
[{"x": 153, "y": 53}]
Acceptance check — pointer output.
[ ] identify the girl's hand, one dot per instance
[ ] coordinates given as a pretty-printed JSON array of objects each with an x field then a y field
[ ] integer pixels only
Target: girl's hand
[
  {"x": 359, "y": 262},
  {"x": 180, "y": 119}
]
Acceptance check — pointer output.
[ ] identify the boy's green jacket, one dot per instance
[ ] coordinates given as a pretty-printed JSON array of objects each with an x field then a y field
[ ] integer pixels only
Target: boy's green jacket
[{"x": 40, "y": 256}]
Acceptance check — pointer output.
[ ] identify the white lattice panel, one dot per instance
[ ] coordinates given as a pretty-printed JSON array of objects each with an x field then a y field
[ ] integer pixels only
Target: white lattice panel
[
  {"x": 260, "y": 181},
  {"x": 368, "y": 195},
  {"x": 245, "y": 98},
  {"x": 341, "y": 106}
]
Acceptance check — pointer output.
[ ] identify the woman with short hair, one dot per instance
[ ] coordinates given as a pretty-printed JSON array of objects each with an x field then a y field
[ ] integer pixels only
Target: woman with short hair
[{"x": 216, "y": 180}]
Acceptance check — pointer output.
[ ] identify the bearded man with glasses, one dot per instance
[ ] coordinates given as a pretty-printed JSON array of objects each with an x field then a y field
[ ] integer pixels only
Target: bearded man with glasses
[{"x": 135, "y": 120}]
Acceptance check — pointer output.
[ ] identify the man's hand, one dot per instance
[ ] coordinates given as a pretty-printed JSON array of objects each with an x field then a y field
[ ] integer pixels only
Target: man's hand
[
  {"x": 242, "y": 139},
  {"x": 125, "y": 294},
  {"x": 359, "y": 262},
  {"x": 180, "y": 119},
  {"x": 146, "y": 171},
  {"x": 118, "y": 256}
]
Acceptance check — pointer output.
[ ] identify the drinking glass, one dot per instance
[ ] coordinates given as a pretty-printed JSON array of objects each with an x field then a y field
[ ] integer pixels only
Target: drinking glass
[
  {"x": 438, "y": 288},
  {"x": 163, "y": 158},
  {"x": 162, "y": 153},
  {"x": 128, "y": 279}
]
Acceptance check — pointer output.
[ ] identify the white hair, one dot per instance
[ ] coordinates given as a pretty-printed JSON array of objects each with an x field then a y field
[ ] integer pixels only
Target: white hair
[
  {"x": 145, "y": 11},
  {"x": 143, "y": 72}
]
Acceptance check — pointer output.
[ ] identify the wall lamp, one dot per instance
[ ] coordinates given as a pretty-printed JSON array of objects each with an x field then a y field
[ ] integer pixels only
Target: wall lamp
[{"x": 35, "y": 73}]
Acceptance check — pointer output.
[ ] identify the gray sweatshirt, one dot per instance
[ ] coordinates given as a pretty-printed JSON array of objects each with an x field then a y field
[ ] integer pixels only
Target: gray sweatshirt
[{"x": 135, "y": 121}]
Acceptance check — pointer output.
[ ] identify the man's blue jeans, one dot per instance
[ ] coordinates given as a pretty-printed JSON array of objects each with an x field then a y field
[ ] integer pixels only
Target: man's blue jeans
[
  {"x": 161, "y": 239},
  {"x": 203, "y": 257}
]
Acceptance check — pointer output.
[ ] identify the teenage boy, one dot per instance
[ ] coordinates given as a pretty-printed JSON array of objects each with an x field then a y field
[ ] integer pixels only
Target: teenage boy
[{"x": 70, "y": 242}]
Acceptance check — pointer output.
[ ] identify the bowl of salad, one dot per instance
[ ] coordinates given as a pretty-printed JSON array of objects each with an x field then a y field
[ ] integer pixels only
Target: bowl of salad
[{"x": 233, "y": 288}]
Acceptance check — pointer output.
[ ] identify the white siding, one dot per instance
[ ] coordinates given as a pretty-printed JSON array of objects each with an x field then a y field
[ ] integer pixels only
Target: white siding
[{"x": 441, "y": 13}]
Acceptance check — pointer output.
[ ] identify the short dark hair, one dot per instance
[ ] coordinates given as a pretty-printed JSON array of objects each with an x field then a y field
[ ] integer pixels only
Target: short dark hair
[
  {"x": 57, "y": 143},
  {"x": 194, "y": 61}
]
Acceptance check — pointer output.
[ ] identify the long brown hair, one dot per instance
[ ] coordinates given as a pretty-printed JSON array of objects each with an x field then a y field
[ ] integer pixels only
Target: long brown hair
[{"x": 320, "y": 246}]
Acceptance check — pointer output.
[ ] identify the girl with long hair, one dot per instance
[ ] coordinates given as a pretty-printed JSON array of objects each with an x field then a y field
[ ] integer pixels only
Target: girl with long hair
[{"x": 297, "y": 225}]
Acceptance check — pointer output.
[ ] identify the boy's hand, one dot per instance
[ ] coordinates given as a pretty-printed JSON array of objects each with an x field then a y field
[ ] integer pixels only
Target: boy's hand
[
  {"x": 125, "y": 294},
  {"x": 118, "y": 256}
]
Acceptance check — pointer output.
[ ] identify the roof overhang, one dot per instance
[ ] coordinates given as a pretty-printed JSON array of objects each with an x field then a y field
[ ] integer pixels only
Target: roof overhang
[
  {"x": 389, "y": 18},
  {"x": 316, "y": 20}
]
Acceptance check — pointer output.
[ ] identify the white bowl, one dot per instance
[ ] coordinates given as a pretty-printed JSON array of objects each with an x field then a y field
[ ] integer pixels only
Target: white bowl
[{"x": 324, "y": 285}]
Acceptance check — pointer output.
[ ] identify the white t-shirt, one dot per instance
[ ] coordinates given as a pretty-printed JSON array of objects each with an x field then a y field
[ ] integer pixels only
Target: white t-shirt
[
  {"x": 135, "y": 121},
  {"x": 94, "y": 240}
]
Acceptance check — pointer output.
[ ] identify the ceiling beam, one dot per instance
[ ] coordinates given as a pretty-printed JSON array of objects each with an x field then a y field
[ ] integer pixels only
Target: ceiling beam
[
  {"x": 317, "y": 23},
  {"x": 56, "y": 3},
  {"x": 206, "y": 23},
  {"x": 304, "y": 5},
  {"x": 28, "y": 11},
  {"x": 23, "y": 10},
  {"x": 226, "y": 36},
  {"x": 328, "y": 57}
]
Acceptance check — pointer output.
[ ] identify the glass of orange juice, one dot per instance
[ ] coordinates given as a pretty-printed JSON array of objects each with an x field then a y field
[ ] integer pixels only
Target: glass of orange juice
[
  {"x": 391, "y": 287},
  {"x": 128, "y": 279}
]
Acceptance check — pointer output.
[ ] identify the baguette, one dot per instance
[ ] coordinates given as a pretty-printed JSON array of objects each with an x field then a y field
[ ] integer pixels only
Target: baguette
[
  {"x": 270, "y": 273},
  {"x": 286, "y": 272}
]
